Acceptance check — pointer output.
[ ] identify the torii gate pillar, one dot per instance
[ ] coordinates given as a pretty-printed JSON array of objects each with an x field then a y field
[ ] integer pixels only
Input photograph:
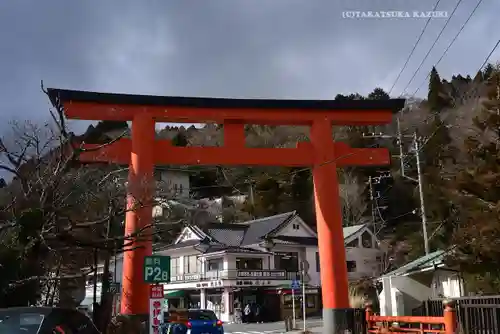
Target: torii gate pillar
[
  {"x": 332, "y": 255},
  {"x": 135, "y": 293}
]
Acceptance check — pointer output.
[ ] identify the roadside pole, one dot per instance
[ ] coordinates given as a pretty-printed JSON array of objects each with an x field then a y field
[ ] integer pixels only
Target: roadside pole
[
  {"x": 304, "y": 302},
  {"x": 295, "y": 286}
]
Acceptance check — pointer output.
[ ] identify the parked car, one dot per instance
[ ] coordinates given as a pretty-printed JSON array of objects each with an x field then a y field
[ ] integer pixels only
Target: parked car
[
  {"x": 204, "y": 322},
  {"x": 45, "y": 320},
  {"x": 196, "y": 321}
]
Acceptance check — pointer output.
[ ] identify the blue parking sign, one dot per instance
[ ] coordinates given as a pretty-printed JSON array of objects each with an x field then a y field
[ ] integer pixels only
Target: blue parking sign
[{"x": 295, "y": 284}]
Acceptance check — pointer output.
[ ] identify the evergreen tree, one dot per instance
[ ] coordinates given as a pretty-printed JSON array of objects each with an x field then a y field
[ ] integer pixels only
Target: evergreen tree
[
  {"x": 180, "y": 139},
  {"x": 479, "y": 77},
  {"x": 356, "y": 96},
  {"x": 378, "y": 94},
  {"x": 488, "y": 71},
  {"x": 436, "y": 97}
]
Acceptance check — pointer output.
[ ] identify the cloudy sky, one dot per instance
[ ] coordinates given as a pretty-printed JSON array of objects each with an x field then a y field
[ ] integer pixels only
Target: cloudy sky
[{"x": 225, "y": 48}]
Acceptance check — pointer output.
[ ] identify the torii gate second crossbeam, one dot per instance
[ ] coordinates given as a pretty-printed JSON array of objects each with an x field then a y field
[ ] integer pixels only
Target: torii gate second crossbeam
[{"x": 324, "y": 155}]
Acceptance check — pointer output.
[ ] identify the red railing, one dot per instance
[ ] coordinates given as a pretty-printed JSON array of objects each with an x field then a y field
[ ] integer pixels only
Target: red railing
[{"x": 447, "y": 324}]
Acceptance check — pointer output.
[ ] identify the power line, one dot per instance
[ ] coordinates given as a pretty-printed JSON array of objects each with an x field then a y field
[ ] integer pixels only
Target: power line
[
  {"x": 414, "y": 47},
  {"x": 432, "y": 47},
  {"x": 450, "y": 45}
]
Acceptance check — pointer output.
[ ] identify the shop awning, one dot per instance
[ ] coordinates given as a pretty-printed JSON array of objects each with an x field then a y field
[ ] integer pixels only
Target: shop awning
[{"x": 174, "y": 294}]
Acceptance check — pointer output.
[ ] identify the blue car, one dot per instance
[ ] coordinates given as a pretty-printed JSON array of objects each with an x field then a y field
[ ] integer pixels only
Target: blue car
[{"x": 203, "y": 322}]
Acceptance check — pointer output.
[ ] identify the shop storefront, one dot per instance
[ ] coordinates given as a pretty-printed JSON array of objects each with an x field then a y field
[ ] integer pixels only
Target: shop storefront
[
  {"x": 312, "y": 302},
  {"x": 283, "y": 301},
  {"x": 276, "y": 303},
  {"x": 215, "y": 302}
]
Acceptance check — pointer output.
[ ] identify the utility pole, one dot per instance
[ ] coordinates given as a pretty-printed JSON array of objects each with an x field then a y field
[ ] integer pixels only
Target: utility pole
[
  {"x": 417, "y": 148},
  {"x": 251, "y": 197},
  {"x": 304, "y": 304},
  {"x": 370, "y": 185},
  {"x": 421, "y": 194}
]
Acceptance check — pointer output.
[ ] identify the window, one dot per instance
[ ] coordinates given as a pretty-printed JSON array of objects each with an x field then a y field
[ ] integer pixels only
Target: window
[
  {"x": 287, "y": 261},
  {"x": 296, "y": 226},
  {"x": 14, "y": 322},
  {"x": 202, "y": 315},
  {"x": 191, "y": 264},
  {"x": 351, "y": 266},
  {"x": 367, "y": 240},
  {"x": 248, "y": 264},
  {"x": 188, "y": 235},
  {"x": 317, "y": 263},
  {"x": 174, "y": 266},
  {"x": 214, "y": 264},
  {"x": 353, "y": 243}
]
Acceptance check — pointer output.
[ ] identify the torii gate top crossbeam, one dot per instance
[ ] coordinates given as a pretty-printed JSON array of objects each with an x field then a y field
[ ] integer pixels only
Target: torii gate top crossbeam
[{"x": 123, "y": 107}]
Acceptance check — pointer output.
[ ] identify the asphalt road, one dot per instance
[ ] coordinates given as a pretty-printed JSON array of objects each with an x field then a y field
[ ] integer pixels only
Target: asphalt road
[{"x": 267, "y": 328}]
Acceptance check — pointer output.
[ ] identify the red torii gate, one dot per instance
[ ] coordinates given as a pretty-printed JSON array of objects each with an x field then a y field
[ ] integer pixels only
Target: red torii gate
[{"x": 142, "y": 152}]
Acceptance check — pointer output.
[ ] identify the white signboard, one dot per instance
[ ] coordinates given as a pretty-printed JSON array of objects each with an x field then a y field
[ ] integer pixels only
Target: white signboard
[{"x": 155, "y": 308}]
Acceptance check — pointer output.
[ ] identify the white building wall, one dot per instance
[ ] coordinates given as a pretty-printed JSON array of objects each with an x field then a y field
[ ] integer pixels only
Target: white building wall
[
  {"x": 313, "y": 271},
  {"x": 447, "y": 284},
  {"x": 367, "y": 261},
  {"x": 176, "y": 181}
]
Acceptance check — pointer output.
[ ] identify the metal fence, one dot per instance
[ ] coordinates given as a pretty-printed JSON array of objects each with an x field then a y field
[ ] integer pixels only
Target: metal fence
[
  {"x": 355, "y": 321},
  {"x": 476, "y": 315}
]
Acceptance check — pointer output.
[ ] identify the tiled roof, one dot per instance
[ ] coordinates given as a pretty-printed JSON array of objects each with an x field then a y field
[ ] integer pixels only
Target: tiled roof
[
  {"x": 436, "y": 257},
  {"x": 259, "y": 228},
  {"x": 227, "y": 234},
  {"x": 230, "y": 236}
]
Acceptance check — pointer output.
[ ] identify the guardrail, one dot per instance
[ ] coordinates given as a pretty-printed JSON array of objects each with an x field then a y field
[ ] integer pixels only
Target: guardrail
[
  {"x": 236, "y": 274},
  {"x": 447, "y": 324}
]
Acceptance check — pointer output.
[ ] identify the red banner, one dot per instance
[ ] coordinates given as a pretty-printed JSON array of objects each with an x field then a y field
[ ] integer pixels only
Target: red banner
[{"x": 156, "y": 292}]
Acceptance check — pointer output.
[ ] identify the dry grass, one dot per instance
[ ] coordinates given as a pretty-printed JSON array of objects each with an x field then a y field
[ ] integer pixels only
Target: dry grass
[{"x": 356, "y": 299}]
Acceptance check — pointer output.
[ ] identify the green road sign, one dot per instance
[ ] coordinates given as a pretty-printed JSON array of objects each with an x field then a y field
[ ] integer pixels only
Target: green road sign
[
  {"x": 156, "y": 269},
  {"x": 114, "y": 288}
]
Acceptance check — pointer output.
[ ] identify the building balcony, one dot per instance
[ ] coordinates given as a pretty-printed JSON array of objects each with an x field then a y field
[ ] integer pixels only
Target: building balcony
[{"x": 235, "y": 274}]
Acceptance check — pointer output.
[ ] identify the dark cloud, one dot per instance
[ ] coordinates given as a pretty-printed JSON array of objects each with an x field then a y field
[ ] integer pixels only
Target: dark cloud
[{"x": 251, "y": 48}]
